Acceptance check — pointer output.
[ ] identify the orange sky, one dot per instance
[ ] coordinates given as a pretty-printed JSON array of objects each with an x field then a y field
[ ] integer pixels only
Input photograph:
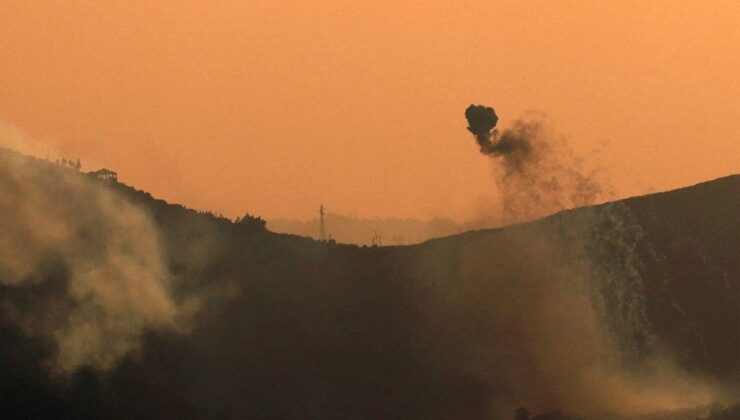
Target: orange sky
[{"x": 275, "y": 107}]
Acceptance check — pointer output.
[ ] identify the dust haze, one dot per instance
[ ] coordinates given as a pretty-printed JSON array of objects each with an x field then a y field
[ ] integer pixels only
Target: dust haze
[
  {"x": 572, "y": 323},
  {"x": 547, "y": 323}
]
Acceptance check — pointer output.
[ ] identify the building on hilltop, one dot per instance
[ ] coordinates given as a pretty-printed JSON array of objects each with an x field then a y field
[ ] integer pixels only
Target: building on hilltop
[{"x": 105, "y": 175}]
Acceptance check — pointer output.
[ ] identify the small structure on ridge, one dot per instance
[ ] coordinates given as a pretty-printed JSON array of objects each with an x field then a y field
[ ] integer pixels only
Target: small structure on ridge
[{"x": 105, "y": 175}]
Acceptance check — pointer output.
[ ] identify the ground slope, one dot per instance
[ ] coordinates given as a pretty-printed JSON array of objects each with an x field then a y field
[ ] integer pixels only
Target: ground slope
[{"x": 118, "y": 305}]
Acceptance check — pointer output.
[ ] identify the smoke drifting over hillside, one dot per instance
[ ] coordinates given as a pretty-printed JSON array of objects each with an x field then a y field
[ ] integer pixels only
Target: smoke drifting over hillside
[
  {"x": 542, "y": 320},
  {"x": 569, "y": 291},
  {"x": 583, "y": 312},
  {"x": 86, "y": 264},
  {"x": 536, "y": 172}
]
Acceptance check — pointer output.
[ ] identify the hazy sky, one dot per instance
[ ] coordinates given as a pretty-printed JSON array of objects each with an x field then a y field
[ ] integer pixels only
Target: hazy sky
[{"x": 274, "y": 107}]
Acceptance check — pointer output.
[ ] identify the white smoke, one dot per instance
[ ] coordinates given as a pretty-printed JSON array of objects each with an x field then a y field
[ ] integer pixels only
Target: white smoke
[{"x": 63, "y": 229}]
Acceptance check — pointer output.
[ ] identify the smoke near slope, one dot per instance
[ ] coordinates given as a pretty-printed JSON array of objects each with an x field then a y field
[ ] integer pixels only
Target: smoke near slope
[
  {"x": 556, "y": 314},
  {"x": 536, "y": 173},
  {"x": 85, "y": 264},
  {"x": 542, "y": 320},
  {"x": 594, "y": 289}
]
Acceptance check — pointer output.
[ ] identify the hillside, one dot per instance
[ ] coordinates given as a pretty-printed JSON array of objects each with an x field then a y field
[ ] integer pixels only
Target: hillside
[{"x": 118, "y": 305}]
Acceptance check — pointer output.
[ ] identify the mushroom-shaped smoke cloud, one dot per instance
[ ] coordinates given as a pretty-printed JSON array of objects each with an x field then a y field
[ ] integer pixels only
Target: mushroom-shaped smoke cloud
[
  {"x": 481, "y": 119},
  {"x": 482, "y": 122}
]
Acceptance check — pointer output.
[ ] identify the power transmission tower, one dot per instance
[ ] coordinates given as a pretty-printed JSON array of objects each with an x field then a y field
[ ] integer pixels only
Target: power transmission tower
[
  {"x": 322, "y": 225},
  {"x": 377, "y": 240}
]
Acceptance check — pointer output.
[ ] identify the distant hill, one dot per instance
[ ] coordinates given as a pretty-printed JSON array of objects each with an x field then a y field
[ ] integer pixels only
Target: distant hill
[
  {"x": 353, "y": 230},
  {"x": 118, "y": 305}
]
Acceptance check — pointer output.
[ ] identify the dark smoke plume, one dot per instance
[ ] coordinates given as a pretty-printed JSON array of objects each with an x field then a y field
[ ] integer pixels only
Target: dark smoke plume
[
  {"x": 536, "y": 172},
  {"x": 481, "y": 120}
]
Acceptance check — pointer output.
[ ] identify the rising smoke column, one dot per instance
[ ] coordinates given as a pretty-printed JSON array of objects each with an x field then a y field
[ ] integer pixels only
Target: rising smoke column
[
  {"x": 595, "y": 289},
  {"x": 91, "y": 259},
  {"x": 536, "y": 173}
]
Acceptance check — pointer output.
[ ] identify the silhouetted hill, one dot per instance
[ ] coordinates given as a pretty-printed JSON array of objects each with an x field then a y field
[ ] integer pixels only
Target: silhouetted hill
[{"x": 118, "y": 305}]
